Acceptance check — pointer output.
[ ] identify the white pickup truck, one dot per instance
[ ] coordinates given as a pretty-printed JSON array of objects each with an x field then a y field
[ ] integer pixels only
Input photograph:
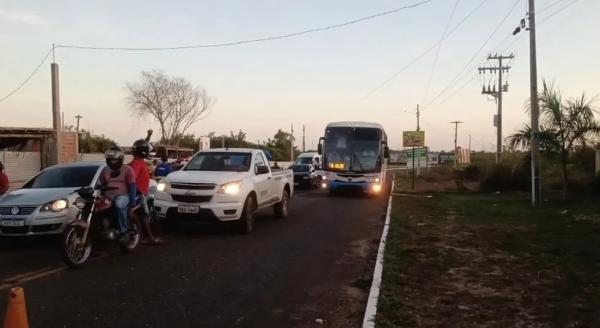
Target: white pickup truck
[{"x": 224, "y": 185}]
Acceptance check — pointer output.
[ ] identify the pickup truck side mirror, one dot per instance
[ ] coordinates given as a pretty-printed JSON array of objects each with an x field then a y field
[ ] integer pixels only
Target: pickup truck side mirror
[{"x": 263, "y": 169}]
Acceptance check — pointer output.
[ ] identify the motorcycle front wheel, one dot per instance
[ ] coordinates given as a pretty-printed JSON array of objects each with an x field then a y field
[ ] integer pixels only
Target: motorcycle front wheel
[{"x": 75, "y": 253}]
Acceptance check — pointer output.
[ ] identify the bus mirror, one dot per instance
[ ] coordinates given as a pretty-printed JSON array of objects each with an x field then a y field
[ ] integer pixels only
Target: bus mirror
[
  {"x": 320, "y": 146},
  {"x": 386, "y": 152}
]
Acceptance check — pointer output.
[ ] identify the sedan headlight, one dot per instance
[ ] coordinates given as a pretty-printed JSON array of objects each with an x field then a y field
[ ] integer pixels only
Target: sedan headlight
[
  {"x": 231, "y": 188},
  {"x": 55, "y": 206},
  {"x": 163, "y": 185}
]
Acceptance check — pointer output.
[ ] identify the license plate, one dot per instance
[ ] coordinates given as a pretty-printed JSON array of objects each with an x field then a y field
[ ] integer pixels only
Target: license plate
[
  {"x": 188, "y": 209},
  {"x": 13, "y": 223}
]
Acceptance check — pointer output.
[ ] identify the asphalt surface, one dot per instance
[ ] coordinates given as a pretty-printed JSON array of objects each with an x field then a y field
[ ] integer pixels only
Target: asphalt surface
[{"x": 316, "y": 264}]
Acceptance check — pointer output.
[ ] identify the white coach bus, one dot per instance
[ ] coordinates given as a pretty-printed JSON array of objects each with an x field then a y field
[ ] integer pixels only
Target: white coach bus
[{"x": 354, "y": 155}]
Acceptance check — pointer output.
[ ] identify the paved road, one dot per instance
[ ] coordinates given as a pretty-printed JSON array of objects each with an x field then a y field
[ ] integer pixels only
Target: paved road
[{"x": 315, "y": 264}]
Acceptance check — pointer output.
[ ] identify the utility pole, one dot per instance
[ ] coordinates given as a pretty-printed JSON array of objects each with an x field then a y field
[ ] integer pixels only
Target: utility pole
[
  {"x": 303, "y": 138},
  {"x": 78, "y": 117},
  {"x": 456, "y": 123},
  {"x": 536, "y": 192},
  {"x": 418, "y": 129},
  {"x": 292, "y": 145},
  {"x": 222, "y": 141},
  {"x": 502, "y": 87}
]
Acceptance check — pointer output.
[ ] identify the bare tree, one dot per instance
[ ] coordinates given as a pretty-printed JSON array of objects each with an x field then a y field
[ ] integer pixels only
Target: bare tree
[{"x": 173, "y": 102}]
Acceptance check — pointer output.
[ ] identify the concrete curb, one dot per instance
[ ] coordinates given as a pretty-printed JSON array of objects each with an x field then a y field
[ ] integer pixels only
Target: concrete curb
[{"x": 371, "y": 310}]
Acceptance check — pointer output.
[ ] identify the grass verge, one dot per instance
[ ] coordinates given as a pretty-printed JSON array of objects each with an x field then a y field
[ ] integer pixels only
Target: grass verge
[{"x": 490, "y": 260}]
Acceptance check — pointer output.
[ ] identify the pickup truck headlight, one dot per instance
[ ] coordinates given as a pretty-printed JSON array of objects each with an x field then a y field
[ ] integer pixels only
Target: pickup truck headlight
[
  {"x": 55, "y": 206},
  {"x": 163, "y": 185},
  {"x": 230, "y": 188}
]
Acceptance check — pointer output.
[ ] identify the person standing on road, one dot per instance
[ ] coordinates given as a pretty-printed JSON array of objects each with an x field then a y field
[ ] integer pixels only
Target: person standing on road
[
  {"x": 163, "y": 169},
  {"x": 141, "y": 150},
  {"x": 122, "y": 179},
  {"x": 3, "y": 180}
]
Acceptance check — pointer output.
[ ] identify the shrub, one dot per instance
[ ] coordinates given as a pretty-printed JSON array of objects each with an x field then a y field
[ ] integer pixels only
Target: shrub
[
  {"x": 472, "y": 172},
  {"x": 503, "y": 177}
]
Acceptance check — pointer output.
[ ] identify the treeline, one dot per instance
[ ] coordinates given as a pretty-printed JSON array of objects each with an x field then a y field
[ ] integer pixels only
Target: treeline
[{"x": 279, "y": 145}]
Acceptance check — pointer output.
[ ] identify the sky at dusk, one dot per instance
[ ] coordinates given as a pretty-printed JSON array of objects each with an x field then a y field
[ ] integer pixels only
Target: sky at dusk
[{"x": 311, "y": 79}]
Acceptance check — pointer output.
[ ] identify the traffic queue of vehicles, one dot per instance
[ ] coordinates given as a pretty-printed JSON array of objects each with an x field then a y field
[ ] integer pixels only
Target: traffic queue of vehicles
[{"x": 218, "y": 185}]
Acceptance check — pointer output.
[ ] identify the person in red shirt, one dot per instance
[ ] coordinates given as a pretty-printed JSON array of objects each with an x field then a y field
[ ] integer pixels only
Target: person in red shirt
[
  {"x": 3, "y": 180},
  {"x": 141, "y": 151}
]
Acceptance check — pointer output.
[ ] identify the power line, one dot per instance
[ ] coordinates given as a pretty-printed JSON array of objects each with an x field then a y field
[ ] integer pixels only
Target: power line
[
  {"x": 558, "y": 11},
  {"x": 28, "y": 77},
  {"x": 236, "y": 43},
  {"x": 389, "y": 12},
  {"x": 549, "y": 6},
  {"x": 424, "y": 53},
  {"x": 439, "y": 48},
  {"x": 451, "y": 83}
]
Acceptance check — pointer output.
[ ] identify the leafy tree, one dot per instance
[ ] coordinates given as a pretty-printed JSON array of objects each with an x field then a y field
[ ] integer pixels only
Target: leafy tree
[
  {"x": 172, "y": 101},
  {"x": 90, "y": 142},
  {"x": 564, "y": 125}
]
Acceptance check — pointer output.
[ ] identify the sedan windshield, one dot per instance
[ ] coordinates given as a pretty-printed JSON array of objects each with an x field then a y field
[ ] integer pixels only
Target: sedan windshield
[
  {"x": 63, "y": 177},
  {"x": 233, "y": 162}
]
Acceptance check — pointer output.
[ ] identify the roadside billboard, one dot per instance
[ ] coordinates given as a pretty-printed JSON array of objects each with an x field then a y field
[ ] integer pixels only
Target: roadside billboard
[{"x": 413, "y": 138}]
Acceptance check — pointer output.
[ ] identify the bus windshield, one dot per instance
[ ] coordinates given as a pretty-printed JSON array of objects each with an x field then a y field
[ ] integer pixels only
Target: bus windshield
[{"x": 350, "y": 149}]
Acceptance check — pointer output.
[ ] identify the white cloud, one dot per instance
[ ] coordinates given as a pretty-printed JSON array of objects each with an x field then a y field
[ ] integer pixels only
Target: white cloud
[{"x": 22, "y": 17}]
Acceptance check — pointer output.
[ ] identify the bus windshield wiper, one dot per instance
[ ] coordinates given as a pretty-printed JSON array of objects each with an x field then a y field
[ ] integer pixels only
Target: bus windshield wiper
[{"x": 358, "y": 161}]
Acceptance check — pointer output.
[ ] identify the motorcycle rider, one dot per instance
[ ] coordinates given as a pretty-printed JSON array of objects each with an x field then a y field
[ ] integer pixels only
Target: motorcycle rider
[
  {"x": 141, "y": 150},
  {"x": 122, "y": 178}
]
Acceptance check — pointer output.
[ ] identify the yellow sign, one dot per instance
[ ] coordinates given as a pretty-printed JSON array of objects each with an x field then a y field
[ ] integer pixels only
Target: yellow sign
[
  {"x": 338, "y": 166},
  {"x": 413, "y": 138}
]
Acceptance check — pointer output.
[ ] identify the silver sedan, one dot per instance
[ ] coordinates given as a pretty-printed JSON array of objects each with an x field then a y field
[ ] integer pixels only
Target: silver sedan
[{"x": 44, "y": 205}]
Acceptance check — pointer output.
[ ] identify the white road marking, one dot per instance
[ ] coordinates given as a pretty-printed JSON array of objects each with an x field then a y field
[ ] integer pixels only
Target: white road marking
[{"x": 371, "y": 311}]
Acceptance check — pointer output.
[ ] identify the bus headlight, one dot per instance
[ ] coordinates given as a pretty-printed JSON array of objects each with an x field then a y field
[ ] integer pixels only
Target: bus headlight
[{"x": 377, "y": 187}]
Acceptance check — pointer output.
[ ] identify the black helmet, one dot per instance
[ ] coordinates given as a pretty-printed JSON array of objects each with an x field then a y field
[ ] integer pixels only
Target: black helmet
[
  {"x": 141, "y": 148},
  {"x": 114, "y": 157}
]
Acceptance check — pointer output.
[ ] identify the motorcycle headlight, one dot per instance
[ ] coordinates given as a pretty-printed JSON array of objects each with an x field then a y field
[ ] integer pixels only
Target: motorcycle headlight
[
  {"x": 231, "y": 188},
  {"x": 79, "y": 203},
  {"x": 163, "y": 185},
  {"x": 55, "y": 206}
]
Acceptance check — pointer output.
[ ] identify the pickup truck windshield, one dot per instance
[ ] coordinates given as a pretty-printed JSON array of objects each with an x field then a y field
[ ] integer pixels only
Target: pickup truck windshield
[{"x": 233, "y": 162}]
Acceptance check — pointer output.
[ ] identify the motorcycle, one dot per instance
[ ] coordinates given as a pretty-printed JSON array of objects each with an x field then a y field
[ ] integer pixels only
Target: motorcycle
[{"x": 96, "y": 222}]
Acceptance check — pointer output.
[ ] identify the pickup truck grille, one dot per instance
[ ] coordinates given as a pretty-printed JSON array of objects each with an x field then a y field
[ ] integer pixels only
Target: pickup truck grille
[
  {"x": 191, "y": 198},
  {"x": 193, "y": 186},
  {"x": 23, "y": 210}
]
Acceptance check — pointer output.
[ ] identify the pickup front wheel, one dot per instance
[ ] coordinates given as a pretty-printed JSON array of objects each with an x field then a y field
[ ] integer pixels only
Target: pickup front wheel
[
  {"x": 246, "y": 222},
  {"x": 281, "y": 209}
]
